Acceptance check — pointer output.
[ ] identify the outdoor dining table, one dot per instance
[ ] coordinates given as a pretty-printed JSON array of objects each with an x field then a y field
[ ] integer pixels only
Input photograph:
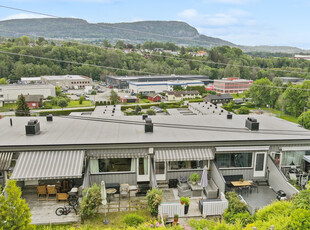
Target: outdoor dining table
[{"x": 240, "y": 183}]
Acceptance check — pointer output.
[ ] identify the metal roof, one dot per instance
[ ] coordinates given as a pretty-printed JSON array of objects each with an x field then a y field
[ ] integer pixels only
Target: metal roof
[
  {"x": 307, "y": 158},
  {"x": 295, "y": 148},
  {"x": 242, "y": 148},
  {"x": 183, "y": 154},
  {"x": 44, "y": 165},
  {"x": 64, "y": 131},
  {"x": 5, "y": 160},
  {"x": 118, "y": 153}
]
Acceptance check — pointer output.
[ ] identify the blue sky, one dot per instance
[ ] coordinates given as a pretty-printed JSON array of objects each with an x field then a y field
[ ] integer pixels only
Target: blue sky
[{"x": 244, "y": 22}]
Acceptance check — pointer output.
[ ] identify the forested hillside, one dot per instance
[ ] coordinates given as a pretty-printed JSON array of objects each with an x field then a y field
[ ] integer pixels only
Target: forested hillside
[{"x": 221, "y": 61}]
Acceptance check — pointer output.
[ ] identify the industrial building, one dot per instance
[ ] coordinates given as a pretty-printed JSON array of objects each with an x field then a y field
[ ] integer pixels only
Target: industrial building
[
  {"x": 10, "y": 93},
  {"x": 68, "y": 81},
  {"x": 161, "y": 86},
  {"x": 122, "y": 82},
  {"x": 231, "y": 85}
]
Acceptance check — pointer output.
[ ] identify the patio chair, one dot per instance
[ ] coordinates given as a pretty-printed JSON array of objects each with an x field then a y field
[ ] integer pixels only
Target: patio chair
[
  {"x": 41, "y": 191},
  {"x": 253, "y": 186},
  {"x": 51, "y": 192},
  {"x": 184, "y": 191},
  {"x": 62, "y": 197},
  {"x": 182, "y": 181},
  {"x": 124, "y": 190}
]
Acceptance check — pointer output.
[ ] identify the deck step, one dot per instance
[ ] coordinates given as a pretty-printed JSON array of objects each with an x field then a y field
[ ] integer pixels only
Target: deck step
[{"x": 162, "y": 184}]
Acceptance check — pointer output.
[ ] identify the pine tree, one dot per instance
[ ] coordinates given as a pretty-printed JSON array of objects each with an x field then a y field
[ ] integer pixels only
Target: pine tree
[
  {"x": 14, "y": 211},
  {"x": 22, "y": 107}
]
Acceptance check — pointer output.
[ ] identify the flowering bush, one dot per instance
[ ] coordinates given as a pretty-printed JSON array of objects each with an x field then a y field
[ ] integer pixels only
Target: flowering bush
[{"x": 154, "y": 198}]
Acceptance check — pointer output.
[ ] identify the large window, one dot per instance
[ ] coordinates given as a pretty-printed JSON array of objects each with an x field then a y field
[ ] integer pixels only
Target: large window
[
  {"x": 293, "y": 157},
  {"x": 235, "y": 160},
  {"x": 179, "y": 165},
  {"x": 112, "y": 165}
]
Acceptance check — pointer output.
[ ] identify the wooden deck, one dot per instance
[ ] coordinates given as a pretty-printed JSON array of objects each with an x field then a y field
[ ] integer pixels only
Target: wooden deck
[{"x": 43, "y": 212}]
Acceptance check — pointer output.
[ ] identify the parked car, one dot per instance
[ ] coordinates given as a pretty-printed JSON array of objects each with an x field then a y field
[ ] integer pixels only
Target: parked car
[{"x": 110, "y": 87}]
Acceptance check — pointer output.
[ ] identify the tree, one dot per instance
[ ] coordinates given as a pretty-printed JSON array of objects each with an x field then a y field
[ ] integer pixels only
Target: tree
[
  {"x": 138, "y": 109},
  {"x": 58, "y": 91},
  {"x": 260, "y": 92},
  {"x": 82, "y": 98},
  {"x": 14, "y": 211},
  {"x": 3, "y": 81},
  {"x": 22, "y": 107},
  {"x": 114, "y": 98},
  {"x": 177, "y": 88},
  {"x": 62, "y": 103},
  {"x": 162, "y": 105}
]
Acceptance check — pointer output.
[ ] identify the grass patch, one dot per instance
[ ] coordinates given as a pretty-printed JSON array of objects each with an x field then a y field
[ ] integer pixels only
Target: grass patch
[
  {"x": 8, "y": 106},
  {"x": 238, "y": 95},
  {"x": 74, "y": 104}
]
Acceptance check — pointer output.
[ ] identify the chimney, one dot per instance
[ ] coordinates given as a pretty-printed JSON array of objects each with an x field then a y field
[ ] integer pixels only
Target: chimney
[
  {"x": 229, "y": 115},
  {"x": 252, "y": 124},
  {"x": 49, "y": 117},
  {"x": 33, "y": 127},
  {"x": 148, "y": 125},
  {"x": 144, "y": 116}
]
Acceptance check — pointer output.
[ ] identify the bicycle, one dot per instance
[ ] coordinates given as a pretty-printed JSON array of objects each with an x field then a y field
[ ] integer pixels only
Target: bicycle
[{"x": 65, "y": 210}]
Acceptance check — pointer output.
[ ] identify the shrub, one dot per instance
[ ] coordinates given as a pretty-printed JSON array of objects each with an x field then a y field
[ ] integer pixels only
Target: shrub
[
  {"x": 302, "y": 200},
  {"x": 278, "y": 208},
  {"x": 154, "y": 198},
  {"x": 150, "y": 112},
  {"x": 82, "y": 98},
  {"x": 243, "y": 110},
  {"x": 91, "y": 202},
  {"x": 133, "y": 219},
  {"x": 162, "y": 105}
]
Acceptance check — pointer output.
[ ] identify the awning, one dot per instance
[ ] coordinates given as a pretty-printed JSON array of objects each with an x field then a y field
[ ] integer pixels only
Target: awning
[
  {"x": 183, "y": 154},
  {"x": 5, "y": 160},
  {"x": 242, "y": 149},
  {"x": 295, "y": 148},
  {"x": 307, "y": 158},
  {"x": 44, "y": 165},
  {"x": 118, "y": 153}
]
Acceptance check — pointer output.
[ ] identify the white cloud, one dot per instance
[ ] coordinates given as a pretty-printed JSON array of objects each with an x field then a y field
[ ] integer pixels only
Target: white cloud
[{"x": 23, "y": 16}]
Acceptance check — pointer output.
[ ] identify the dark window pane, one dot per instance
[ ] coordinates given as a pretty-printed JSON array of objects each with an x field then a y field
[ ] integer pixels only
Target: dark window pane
[
  {"x": 160, "y": 167},
  {"x": 115, "y": 165},
  {"x": 259, "y": 162}
]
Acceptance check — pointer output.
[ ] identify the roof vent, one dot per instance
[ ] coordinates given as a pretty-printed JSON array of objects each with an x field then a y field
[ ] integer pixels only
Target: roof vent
[
  {"x": 144, "y": 116},
  {"x": 252, "y": 124},
  {"x": 229, "y": 115},
  {"x": 49, "y": 117},
  {"x": 33, "y": 127},
  {"x": 148, "y": 125}
]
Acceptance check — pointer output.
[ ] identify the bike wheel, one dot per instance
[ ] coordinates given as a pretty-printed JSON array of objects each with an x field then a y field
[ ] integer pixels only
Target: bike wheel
[{"x": 59, "y": 211}]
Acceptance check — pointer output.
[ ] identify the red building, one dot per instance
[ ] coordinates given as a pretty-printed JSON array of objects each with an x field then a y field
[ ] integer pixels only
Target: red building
[
  {"x": 154, "y": 97},
  {"x": 231, "y": 85},
  {"x": 33, "y": 101}
]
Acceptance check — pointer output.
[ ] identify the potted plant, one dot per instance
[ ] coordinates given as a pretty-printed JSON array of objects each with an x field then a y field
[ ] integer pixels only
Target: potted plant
[
  {"x": 176, "y": 218},
  {"x": 194, "y": 178},
  {"x": 241, "y": 180},
  {"x": 186, "y": 202},
  {"x": 182, "y": 200}
]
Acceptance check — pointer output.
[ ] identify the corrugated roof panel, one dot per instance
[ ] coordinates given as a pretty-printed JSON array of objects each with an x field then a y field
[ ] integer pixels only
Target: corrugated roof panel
[
  {"x": 42, "y": 165},
  {"x": 184, "y": 154},
  {"x": 118, "y": 153},
  {"x": 5, "y": 160}
]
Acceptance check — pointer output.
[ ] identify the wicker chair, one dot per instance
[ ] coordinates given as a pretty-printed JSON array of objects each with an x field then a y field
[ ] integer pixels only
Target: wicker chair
[
  {"x": 124, "y": 190},
  {"x": 184, "y": 191},
  {"x": 41, "y": 191}
]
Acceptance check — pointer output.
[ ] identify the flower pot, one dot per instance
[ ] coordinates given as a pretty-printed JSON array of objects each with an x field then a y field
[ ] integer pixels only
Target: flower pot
[
  {"x": 175, "y": 220},
  {"x": 182, "y": 202},
  {"x": 194, "y": 182},
  {"x": 186, "y": 209}
]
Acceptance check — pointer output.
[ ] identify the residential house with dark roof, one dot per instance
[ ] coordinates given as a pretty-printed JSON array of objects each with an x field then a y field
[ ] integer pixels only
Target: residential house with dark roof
[{"x": 218, "y": 99}]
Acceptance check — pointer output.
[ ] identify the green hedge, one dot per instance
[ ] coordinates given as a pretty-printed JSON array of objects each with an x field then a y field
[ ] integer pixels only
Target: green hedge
[{"x": 64, "y": 112}]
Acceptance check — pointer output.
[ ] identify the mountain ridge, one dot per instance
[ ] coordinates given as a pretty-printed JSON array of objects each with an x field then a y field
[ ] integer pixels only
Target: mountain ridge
[{"x": 178, "y": 32}]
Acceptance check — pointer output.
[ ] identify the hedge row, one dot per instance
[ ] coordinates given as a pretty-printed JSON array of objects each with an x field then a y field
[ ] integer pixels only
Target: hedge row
[{"x": 64, "y": 112}]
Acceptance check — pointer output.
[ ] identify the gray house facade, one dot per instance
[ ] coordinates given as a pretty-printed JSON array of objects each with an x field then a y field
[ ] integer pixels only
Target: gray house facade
[{"x": 123, "y": 150}]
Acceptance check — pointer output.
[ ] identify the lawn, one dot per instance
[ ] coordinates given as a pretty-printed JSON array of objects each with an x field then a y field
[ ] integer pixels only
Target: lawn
[
  {"x": 8, "y": 106},
  {"x": 96, "y": 222},
  {"x": 238, "y": 95},
  {"x": 73, "y": 104}
]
